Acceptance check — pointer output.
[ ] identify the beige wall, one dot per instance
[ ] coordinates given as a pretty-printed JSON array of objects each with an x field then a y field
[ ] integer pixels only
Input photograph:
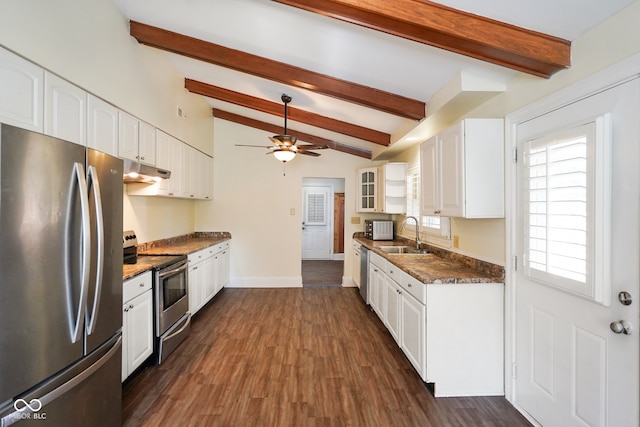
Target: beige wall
[
  {"x": 88, "y": 43},
  {"x": 253, "y": 199}
]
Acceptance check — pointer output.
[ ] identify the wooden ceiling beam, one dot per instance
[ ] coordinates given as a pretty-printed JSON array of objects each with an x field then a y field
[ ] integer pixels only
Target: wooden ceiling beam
[
  {"x": 293, "y": 114},
  {"x": 453, "y": 30},
  {"x": 311, "y": 139},
  {"x": 277, "y": 71}
]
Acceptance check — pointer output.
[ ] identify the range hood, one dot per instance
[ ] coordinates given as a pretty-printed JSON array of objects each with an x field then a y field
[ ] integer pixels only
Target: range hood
[{"x": 137, "y": 172}]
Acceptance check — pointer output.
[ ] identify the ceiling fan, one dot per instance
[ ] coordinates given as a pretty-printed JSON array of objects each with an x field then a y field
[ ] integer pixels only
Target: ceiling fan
[{"x": 285, "y": 147}]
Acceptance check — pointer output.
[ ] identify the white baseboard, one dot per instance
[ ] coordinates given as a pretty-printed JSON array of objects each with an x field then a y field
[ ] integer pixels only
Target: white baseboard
[
  {"x": 347, "y": 282},
  {"x": 338, "y": 257},
  {"x": 265, "y": 282}
]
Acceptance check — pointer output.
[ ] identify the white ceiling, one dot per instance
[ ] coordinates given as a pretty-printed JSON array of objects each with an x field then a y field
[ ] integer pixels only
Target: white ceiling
[{"x": 346, "y": 51}]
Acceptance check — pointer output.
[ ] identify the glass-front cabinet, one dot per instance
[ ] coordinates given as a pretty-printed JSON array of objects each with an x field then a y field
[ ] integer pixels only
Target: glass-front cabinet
[{"x": 367, "y": 190}]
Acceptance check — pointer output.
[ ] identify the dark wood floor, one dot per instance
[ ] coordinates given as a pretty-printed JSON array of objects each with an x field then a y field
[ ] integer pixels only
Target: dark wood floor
[
  {"x": 312, "y": 356},
  {"x": 322, "y": 272}
]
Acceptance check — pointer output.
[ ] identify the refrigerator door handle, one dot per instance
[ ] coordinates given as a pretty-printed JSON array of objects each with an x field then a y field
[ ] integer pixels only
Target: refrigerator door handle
[
  {"x": 95, "y": 185},
  {"x": 77, "y": 330},
  {"x": 64, "y": 388}
]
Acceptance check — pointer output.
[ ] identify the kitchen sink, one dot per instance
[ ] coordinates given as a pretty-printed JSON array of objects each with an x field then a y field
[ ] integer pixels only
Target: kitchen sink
[{"x": 402, "y": 250}]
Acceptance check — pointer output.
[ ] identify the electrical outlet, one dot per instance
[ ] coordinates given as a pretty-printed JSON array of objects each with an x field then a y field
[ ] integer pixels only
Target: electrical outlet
[
  {"x": 355, "y": 220},
  {"x": 456, "y": 241},
  {"x": 292, "y": 211}
]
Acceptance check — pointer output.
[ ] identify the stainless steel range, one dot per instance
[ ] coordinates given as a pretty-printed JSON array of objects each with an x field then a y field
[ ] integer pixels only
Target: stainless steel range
[{"x": 171, "y": 295}]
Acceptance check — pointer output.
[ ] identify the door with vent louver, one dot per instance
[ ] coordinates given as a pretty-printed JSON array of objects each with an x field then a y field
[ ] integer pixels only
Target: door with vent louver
[{"x": 317, "y": 223}]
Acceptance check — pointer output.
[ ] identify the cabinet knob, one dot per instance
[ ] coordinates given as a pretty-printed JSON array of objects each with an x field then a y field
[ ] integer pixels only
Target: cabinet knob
[
  {"x": 409, "y": 284},
  {"x": 142, "y": 285},
  {"x": 141, "y": 158}
]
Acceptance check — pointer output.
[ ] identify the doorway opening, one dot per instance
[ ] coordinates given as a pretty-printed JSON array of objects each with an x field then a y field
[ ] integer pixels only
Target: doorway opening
[{"x": 323, "y": 231}]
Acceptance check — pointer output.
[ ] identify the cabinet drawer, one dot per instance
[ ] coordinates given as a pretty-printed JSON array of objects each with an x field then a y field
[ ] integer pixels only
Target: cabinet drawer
[
  {"x": 377, "y": 260},
  {"x": 413, "y": 286},
  {"x": 220, "y": 247},
  {"x": 136, "y": 286},
  {"x": 199, "y": 256}
]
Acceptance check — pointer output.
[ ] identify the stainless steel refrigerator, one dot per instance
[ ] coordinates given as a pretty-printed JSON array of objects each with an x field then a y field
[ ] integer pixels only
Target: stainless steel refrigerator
[{"x": 60, "y": 282}]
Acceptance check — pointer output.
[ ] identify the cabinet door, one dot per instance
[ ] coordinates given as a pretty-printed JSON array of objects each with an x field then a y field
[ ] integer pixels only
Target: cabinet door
[
  {"x": 129, "y": 135},
  {"x": 452, "y": 170},
  {"x": 412, "y": 332},
  {"x": 210, "y": 277},
  {"x": 175, "y": 182},
  {"x": 195, "y": 288},
  {"x": 208, "y": 177},
  {"x": 21, "y": 92},
  {"x": 392, "y": 297},
  {"x": 140, "y": 330},
  {"x": 65, "y": 113},
  {"x": 429, "y": 176},
  {"x": 188, "y": 171},
  {"x": 102, "y": 126},
  {"x": 225, "y": 268},
  {"x": 147, "y": 144},
  {"x": 376, "y": 284},
  {"x": 367, "y": 190}
]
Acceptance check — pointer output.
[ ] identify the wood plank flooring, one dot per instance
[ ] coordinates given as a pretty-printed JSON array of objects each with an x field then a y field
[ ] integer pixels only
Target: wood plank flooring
[
  {"x": 322, "y": 272},
  {"x": 312, "y": 356}
]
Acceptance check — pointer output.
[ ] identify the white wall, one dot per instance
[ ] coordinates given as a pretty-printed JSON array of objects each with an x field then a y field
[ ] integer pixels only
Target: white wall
[
  {"x": 87, "y": 42},
  {"x": 252, "y": 200}
]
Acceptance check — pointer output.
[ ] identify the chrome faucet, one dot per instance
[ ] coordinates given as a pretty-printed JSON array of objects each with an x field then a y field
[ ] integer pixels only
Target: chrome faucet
[{"x": 417, "y": 229}]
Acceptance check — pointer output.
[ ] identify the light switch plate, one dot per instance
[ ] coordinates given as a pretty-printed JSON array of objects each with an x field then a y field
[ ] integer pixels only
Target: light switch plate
[{"x": 355, "y": 220}]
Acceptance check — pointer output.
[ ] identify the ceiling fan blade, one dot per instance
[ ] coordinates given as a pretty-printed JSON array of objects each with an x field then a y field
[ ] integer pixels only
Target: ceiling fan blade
[
  {"x": 308, "y": 153},
  {"x": 259, "y": 146},
  {"x": 313, "y": 147}
]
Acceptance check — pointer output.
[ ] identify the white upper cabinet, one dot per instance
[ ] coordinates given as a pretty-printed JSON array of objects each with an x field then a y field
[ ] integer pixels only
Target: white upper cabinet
[
  {"x": 137, "y": 140},
  {"x": 463, "y": 170},
  {"x": 128, "y": 136},
  {"x": 147, "y": 143},
  {"x": 21, "y": 92},
  {"x": 102, "y": 126},
  {"x": 65, "y": 113},
  {"x": 392, "y": 187},
  {"x": 430, "y": 176},
  {"x": 367, "y": 182}
]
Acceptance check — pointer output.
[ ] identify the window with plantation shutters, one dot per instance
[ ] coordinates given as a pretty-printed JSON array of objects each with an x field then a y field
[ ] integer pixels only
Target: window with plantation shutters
[
  {"x": 316, "y": 209},
  {"x": 566, "y": 179}
]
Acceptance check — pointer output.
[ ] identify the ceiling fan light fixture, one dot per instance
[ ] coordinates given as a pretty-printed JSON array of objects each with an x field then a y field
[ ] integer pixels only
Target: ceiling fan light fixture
[{"x": 284, "y": 155}]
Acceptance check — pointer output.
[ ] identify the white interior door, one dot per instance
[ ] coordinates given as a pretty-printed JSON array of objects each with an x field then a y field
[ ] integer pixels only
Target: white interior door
[
  {"x": 578, "y": 249},
  {"x": 317, "y": 222}
]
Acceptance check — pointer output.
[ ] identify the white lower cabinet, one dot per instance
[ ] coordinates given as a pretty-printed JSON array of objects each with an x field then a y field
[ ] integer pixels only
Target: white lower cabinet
[
  {"x": 451, "y": 333},
  {"x": 208, "y": 273},
  {"x": 137, "y": 322},
  {"x": 391, "y": 301},
  {"x": 412, "y": 334}
]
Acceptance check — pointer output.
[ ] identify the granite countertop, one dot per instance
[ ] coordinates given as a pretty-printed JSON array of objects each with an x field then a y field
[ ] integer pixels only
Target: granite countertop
[
  {"x": 439, "y": 266},
  {"x": 181, "y": 245}
]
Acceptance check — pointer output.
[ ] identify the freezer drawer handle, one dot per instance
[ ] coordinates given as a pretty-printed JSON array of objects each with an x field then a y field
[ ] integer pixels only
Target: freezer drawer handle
[
  {"x": 64, "y": 388},
  {"x": 95, "y": 185}
]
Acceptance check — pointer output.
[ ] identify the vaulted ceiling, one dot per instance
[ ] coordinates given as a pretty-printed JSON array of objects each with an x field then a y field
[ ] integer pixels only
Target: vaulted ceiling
[{"x": 366, "y": 76}]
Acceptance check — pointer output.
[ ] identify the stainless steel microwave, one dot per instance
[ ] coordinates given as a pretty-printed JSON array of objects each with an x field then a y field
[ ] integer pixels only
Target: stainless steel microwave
[{"x": 378, "y": 229}]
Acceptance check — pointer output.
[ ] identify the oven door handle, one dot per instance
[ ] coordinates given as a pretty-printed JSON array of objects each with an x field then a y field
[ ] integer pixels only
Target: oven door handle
[
  {"x": 173, "y": 271},
  {"x": 178, "y": 332}
]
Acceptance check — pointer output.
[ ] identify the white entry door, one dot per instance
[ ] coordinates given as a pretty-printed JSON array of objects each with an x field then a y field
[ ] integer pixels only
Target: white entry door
[
  {"x": 317, "y": 222},
  {"x": 578, "y": 240}
]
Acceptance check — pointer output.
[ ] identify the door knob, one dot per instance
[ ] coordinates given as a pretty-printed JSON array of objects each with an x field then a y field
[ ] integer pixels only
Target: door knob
[
  {"x": 625, "y": 298},
  {"x": 621, "y": 327}
]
